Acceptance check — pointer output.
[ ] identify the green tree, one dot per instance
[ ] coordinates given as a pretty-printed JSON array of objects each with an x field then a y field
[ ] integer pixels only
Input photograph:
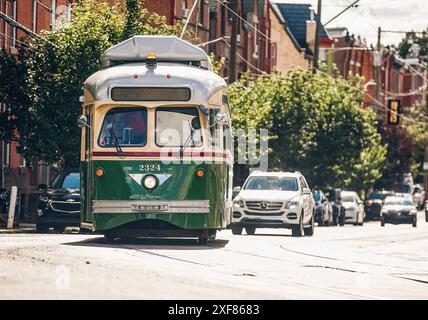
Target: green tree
[
  {"x": 42, "y": 88},
  {"x": 316, "y": 125}
]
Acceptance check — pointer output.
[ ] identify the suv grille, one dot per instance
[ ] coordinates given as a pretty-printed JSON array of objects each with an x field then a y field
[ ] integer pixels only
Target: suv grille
[
  {"x": 265, "y": 206},
  {"x": 64, "y": 206}
]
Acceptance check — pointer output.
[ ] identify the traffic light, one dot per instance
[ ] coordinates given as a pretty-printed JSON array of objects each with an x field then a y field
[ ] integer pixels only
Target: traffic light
[{"x": 394, "y": 111}]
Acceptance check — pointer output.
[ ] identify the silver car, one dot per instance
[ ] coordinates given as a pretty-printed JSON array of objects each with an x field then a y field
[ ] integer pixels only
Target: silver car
[{"x": 398, "y": 210}]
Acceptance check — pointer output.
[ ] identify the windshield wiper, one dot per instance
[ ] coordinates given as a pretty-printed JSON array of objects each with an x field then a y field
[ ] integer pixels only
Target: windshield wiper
[
  {"x": 189, "y": 138},
  {"x": 116, "y": 143}
]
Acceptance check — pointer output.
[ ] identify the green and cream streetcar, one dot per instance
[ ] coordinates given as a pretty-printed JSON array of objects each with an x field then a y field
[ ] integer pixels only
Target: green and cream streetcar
[{"x": 156, "y": 156}]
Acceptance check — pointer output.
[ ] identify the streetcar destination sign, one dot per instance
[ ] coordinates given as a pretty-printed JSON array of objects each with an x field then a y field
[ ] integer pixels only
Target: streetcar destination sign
[{"x": 150, "y": 94}]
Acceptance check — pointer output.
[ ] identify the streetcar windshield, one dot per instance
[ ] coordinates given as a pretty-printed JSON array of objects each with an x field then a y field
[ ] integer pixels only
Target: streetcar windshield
[
  {"x": 176, "y": 126},
  {"x": 272, "y": 183},
  {"x": 128, "y": 125}
]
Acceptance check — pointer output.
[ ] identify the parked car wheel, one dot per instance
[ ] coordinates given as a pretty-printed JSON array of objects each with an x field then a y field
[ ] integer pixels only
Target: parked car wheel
[
  {"x": 237, "y": 230},
  {"x": 250, "y": 230},
  {"x": 297, "y": 230},
  {"x": 42, "y": 228},
  {"x": 309, "y": 231}
]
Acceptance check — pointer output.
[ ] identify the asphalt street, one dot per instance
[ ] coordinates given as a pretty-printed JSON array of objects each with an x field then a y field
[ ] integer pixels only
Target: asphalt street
[{"x": 350, "y": 262}]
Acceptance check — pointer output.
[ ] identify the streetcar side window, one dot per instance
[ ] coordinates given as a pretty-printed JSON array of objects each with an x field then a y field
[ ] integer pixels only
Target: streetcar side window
[
  {"x": 214, "y": 128},
  {"x": 127, "y": 125},
  {"x": 178, "y": 126}
]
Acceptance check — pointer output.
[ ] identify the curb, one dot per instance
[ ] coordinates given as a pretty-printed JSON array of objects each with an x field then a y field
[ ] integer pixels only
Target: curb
[{"x": 24, "y": 228}]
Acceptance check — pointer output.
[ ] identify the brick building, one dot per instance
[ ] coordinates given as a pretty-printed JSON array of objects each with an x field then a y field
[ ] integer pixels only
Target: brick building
[
  {"x": 401, "y": 79},
  {"x": 34, "y": 16},
  {"x": 294, "y": 29}
]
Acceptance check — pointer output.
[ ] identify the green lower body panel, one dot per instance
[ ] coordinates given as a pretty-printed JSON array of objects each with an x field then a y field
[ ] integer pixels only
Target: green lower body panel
[{"x": 181, "y": 198}]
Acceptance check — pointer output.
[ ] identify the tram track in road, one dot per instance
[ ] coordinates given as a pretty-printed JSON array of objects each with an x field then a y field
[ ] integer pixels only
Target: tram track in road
[{"x": 262, "y": 275}]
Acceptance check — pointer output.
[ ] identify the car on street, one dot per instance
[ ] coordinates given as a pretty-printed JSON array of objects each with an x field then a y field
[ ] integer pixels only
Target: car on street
[
  {"x": 354, "y": 208},
  {"x": 334, "y": 196},
  {"x": 323, "y": 209},
  {"x": 274, "y": 200},
  {"x": 418, "y": 196},
  {"x": 374, "y": 203},
  {"x": 399, "y": 209},
  {"x": 59, "y": 203},
  {"x": 426, "y": 211}
]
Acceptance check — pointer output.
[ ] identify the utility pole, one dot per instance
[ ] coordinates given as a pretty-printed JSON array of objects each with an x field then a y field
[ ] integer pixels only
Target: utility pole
[
  {"x": 317, "y": 38},
  {"x": 233, "y": 42},
  {"x": 378, "y": 70}
]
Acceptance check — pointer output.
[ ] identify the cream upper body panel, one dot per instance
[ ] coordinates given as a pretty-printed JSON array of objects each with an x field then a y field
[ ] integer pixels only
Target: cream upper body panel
[{"x": 205, "y": 86}]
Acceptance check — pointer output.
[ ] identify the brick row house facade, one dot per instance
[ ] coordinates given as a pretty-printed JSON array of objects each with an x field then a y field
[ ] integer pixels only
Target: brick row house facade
[{"x": 401, "y": 79}]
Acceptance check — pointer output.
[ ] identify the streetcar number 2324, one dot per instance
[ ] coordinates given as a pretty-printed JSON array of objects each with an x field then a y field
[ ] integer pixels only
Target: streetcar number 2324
[{"x": 149, "y": 167}]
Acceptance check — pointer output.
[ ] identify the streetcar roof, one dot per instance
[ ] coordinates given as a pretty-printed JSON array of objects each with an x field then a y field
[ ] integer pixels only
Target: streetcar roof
[
  {"x": 202, "y": 83},
  {"x": 166, "y": 48}
]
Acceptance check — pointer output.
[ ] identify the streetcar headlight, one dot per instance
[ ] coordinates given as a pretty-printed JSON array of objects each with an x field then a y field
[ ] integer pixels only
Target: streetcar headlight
[{"x": 150, "y": 182}]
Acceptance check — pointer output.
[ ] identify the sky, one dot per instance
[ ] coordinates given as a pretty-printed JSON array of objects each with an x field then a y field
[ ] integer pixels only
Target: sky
[{"x": 402, "y": 15}]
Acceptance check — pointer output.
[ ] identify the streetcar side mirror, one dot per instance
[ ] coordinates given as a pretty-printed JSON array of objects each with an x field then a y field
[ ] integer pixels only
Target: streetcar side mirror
[
  {"x": 222, "y": 118},
  {"x": 195, "y": 123},
  {"x": 82, "y": 121}
]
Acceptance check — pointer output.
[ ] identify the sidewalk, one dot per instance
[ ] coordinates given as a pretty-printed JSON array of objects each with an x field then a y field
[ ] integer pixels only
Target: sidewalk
[{"x": 23, "y": 228}]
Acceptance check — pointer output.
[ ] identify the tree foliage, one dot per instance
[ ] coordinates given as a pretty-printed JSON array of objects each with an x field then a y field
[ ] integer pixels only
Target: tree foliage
[
  {"x": 316, "y": 125},
  {"x": 43, "y": 86}
]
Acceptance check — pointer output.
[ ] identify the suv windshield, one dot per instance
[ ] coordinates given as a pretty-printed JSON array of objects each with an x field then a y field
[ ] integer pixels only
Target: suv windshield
[
  {"x": 394, "y": 201},
  {"x": 67, "y": 181},
  {"x": 348, "y": 198},
  {"x": 272, "y": 183},
  {"x": 378, "y": 196}
]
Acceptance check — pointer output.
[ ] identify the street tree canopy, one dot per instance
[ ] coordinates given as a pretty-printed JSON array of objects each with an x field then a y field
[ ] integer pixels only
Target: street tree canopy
[{"x": 316, "y": 125}]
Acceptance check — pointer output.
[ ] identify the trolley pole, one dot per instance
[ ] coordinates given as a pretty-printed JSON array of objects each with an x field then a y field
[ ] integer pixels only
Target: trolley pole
[
  {"x": 233, "y": 43},
  {"x": 317, "y": 38},
  {"x": 12, "y": 205}
]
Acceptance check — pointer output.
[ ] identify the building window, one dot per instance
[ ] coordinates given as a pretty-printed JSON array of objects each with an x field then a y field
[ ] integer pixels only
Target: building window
[
  {"x": 6, "y": 154},
  {"x": 201, "y": 11},
  {"x": 68, "y": 13},
  {"x": 34, "y": 17},
  {"x": 13, "y": 15},
  {"x": 22, "y": 161},
  {"x": 256, "y": 41},
  {"x": 223, "y": 21},
  {"x": 185, "y": 11}
]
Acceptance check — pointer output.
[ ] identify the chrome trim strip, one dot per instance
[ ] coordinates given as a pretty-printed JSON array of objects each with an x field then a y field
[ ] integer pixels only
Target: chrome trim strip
[{"x": 156, "y": 206}]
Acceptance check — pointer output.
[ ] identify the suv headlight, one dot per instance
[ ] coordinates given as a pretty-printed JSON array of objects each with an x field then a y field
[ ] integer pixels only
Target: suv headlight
[
  {"x": 291, "y": 204},
  {"x": 239, "y": 203}
]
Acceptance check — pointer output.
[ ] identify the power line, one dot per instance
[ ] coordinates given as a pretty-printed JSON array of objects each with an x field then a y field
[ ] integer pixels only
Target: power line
[{"x": 242, "y": 19}]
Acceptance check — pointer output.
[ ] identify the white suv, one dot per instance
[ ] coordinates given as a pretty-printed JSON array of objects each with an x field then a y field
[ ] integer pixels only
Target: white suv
[{"x": 274, "y": 200}]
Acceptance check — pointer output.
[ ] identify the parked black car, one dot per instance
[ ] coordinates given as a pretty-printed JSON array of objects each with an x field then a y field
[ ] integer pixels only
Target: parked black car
[
  {"x": 59, "y": 203},
  {"x": 323, "y": 209},
  {"x": 373, "y": 204}
]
